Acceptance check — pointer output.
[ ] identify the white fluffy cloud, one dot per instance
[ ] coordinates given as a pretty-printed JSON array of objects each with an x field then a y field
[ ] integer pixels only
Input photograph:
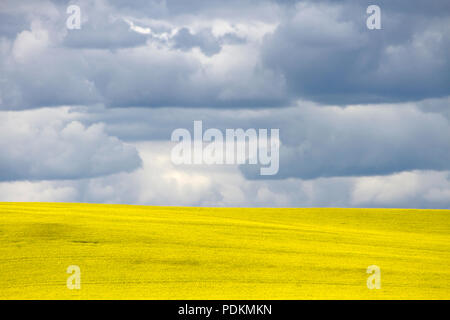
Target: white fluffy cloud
[
  {"x": 417, "y": 189},
  {"x": 159, "y": 182},
  {"x": 48, "y": 144}
]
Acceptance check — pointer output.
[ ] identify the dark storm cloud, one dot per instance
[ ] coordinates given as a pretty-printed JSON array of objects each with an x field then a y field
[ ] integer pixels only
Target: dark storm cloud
[
  {"x": 328, "y": 55},
  {"x": 359, "y": 141},
  {"x": 108, "y": 62},
  {"x": 320, "y": 51},
  {"x": 316, "y": 141}
]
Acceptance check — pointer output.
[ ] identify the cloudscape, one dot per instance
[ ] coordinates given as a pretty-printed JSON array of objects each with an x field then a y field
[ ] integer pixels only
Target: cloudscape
[{"x": 87, "y": 113}]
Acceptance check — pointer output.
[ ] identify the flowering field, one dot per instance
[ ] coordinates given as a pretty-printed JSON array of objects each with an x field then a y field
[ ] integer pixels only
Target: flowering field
[{"x": 142, "y": 252}]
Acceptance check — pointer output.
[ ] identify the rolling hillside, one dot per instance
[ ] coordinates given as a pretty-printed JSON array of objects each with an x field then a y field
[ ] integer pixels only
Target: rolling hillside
[{"x": 139, "y": 252}]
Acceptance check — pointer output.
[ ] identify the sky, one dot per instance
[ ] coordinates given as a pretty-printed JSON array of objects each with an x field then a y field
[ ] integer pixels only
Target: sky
[{"x": 86, "y": 115}]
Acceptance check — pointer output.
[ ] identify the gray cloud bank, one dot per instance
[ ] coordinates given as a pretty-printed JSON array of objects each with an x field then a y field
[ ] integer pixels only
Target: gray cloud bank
[
  {"x": 86, "y": 114},
  {"x": 328, "y": 55},
  {"x": 321, "y": 51},
  {"x": 360, "y": 141},
  {"x": 316, "y": 141}
]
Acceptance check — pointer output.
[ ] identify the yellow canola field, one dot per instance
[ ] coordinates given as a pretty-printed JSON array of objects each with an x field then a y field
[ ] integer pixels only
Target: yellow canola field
[{"x": 143, "y": 252}]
